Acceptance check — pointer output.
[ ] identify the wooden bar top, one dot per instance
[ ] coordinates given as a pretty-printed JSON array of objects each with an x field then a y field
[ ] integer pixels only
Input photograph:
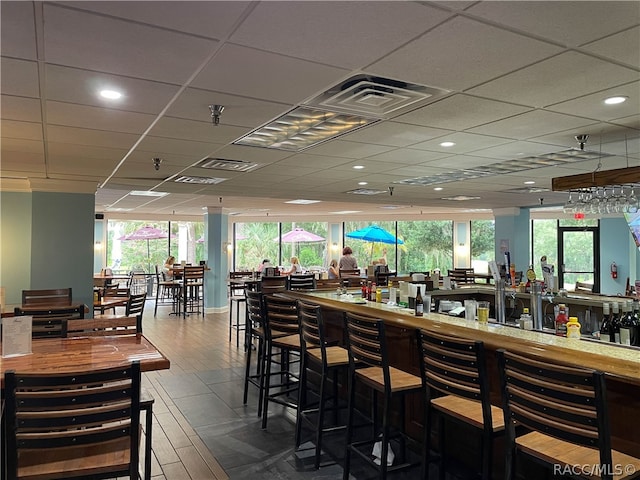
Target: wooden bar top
[
  {"x": 620, "y": 362},
  {"x": 86, "y": 353}
]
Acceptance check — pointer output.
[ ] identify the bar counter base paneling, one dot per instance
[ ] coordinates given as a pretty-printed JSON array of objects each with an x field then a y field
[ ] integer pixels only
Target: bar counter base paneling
[{"x": 622, "y": 365}]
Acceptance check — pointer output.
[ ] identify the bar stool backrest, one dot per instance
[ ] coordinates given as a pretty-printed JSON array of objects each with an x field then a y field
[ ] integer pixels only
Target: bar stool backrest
[
  {"x": 366, "y": 343},
  {"x": 564, "y": 402},
  {"x": 277, "y": 283},
  {"x": 454, "y": 366},
  {"x": 281, "y": 314},
  {"x": 311, "y": 329},
  {"x": 305, "y": 281}
]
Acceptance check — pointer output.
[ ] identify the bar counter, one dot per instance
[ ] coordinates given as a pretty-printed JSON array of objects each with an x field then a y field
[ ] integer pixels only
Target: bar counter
[{"x": 621, "y": 364}]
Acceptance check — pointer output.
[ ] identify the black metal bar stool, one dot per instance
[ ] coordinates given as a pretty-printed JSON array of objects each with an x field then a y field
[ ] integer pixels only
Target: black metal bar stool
[
  {"x": 327, "y": 360},
  {"x": 369, "y": 365}
]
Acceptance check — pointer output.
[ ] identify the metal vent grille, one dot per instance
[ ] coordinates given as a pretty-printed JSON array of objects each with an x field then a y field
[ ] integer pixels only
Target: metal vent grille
[
  {"x": 224, "y": 164},
  {"x": 366, "y": 191},
  {"x": 527, "y": 190},
  {"x": 199, "y": 180},
  {"x": 376, "y": 96}
]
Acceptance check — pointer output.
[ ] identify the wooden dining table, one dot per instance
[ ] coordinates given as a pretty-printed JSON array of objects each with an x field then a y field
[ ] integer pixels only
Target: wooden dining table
[{"x": 86, "y": 353}]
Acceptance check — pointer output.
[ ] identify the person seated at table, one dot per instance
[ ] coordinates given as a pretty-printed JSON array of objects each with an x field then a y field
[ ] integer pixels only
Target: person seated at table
[
  {"x": 168, "y": 267},
  {"x": 295, "y": 267},
  {"x": 333, "y": 270},
  {"x": 265, "y": 263},
  {"x": 348, "y": 261}
]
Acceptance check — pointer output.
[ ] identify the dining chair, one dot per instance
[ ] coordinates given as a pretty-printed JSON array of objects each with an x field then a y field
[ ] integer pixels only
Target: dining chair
[
  {"x": 564, "y": 411},
  {"x": 51, "y": 322},
  {"x": 192, "y": 294},
  {"x": 120, "y": 325},
  {"x": 274, "y": 284},
  {"x": 133, "y": 308},
  {"x": 166, "y": 290},
  {"x": 305, "y": 281},
  {"x": 73, "y": 424},
  {"x": 237, "y": 296}
]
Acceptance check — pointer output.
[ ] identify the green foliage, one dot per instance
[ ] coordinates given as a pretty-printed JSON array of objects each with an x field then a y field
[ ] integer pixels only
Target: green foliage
[
  {"x": 428, "y": 245},
  {"x": 483, "y": 239}
]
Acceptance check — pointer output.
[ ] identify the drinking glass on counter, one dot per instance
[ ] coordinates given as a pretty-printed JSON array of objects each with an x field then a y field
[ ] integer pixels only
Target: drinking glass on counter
[
  {"x": 483, "y": 312},
  {"x": 470, "y": 310}
]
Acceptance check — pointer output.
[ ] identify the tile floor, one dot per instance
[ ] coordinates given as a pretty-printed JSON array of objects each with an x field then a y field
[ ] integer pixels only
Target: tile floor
[{"x": 201, "y": 428}]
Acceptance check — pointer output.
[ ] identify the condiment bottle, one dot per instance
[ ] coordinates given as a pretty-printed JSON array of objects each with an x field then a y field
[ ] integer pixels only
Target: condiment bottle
[
  {"x": 525, "y": 322},
  {"x": 379, "y": 294},
  {"x": 561, "y": 321},
  {"x": 419, "y": 304},
  {"x": 363, "y": 287},
  {"x": 573, "y": 328}
]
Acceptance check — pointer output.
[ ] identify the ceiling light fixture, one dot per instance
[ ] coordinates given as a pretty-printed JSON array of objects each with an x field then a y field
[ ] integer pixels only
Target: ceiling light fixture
[
  {"x": 148, "y": 193},
  {"x": 346, "y": 212},
  {"x": 302, "y": 201},
  {"x": 358, "y": 167},
  {"x": 447, "y": 144},
  {"x": 529, "y": 182},
  {"x": 216, "y": 111},
  {"x": 437, "y": 189},
  {"x": 110, "y": 94},
  {"x": 615, "y": 100},
  {"x": 301, "y": 128},
  {"x": 363, "y": 183}
]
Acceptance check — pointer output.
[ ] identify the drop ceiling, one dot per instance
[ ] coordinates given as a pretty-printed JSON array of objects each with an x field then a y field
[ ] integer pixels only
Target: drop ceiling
[{"x": 515, "y": 80}]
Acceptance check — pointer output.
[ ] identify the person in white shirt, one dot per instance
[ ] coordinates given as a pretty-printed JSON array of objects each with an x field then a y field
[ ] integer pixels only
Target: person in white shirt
[{"x": 295, "y": 267}]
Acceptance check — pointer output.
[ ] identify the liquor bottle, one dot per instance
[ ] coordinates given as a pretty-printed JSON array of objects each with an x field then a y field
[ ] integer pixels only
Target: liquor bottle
[
  {"x": 605, "y": 327},
  {"x": 561, "y": 321},
  {"x": 635, "y": 315},
  {"x": 615, "y": 323},
  {"x": 419, "y": 305},
  {"x": 626, "y": 324}
]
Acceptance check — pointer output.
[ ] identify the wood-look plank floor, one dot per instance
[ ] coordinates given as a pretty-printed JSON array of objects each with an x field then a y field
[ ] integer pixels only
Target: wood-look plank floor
[{"x": 178, "y": 452}]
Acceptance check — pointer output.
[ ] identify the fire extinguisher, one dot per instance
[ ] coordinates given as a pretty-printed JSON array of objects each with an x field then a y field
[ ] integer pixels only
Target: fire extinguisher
[{"x": 614, "y": 270}]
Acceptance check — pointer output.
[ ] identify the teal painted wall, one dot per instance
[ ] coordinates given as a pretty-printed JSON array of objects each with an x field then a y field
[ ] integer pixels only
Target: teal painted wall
[
  {"x": 216, "y": 226},
  {"x": 62, "y": 243},
  {"x": 15, "y": 245},
  {"x": 515, "y": 229},
  {"x": 617, "y": 245},
  {"x": 99, "y": 254}
]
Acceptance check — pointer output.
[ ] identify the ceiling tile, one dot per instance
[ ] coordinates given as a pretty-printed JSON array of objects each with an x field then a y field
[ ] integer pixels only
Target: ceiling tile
[
  {"x": 239, "y": 111},
  {"x": 394, "y": 134},
  {"x": 593, "y": 106},
  {"x": 532, "y": 124},
  {"x": 72, "y": 85},
  {"x": 15, "y": 164},
  {"x": 19, "y": 77},
  {"x": 107, "y": 119},
  {"x": 199, "y": 131},
  {"x": 22, "y": 145},
  {"x": 245, "y": 71},
  {"x": 121, "y": 48},
  {"x": 341, "y": 148},
  {"x": 460, "y": 112},
  {"x": 207, "y": 19},
  {"x": 408, "y": 156},
  {"x": 434, "y": 59},
  {"x": 92, "y": 137},
  {"x": 464, "y": 143},
  {"x": 319, "y": 31},
  {"x": 18, "y": 36},
  {"x": 23, "y": 130},
  {"x": 158, "y": 146},
  {"x": 623, "y": 47},
  {"x": 557, "y": 79},
  {"x": 569, "y": 23},
  {"x": 20, "y": 108}
]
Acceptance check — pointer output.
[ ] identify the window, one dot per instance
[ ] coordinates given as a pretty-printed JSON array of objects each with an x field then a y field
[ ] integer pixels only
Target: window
[
  {"x": 255, "y": 242},
  {"x": 367, "y": 252},
  {"x": 428, "y": 244},
  {"x": 483, "y": 240},
  {"x": 545, "y": 243}
]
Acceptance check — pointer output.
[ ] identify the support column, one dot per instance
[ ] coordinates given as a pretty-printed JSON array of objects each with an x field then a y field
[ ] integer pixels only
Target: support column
[
  {"x": 512, "y": 233},
  {"x": 216, "y": 231}
]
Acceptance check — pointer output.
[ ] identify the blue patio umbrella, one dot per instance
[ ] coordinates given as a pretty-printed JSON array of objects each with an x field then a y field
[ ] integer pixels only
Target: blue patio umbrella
[{"x": 373, "y": 234}]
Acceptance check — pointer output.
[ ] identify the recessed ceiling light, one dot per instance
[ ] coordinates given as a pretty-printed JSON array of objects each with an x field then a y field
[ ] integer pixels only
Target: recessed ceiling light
[
  {"x": 302, "y": 201},
  {"x": 460, "y": 198},
  {"x": 529, "y": 182},
  {"x": 447, "y": 144},
  {"x": 437, "y": 189},
  {"x": 346, "y": 212},
  {"x": 363, "y": 183},
  {"x": 615, "y": 100},
  {"x": 148, "y": 193},
  {"x": 110, "y": 94},
  {"x": 358, "y": 167}
]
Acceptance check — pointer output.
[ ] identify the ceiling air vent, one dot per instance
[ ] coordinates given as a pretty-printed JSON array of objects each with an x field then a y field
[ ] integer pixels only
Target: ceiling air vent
[
  {"x": 198, "y": 180},
  {"x": 527, "y": 190},
  {"x": 376, "y": 96},
  {"x": 224, "y": 164},
  {"x": 366, "y": 191}
]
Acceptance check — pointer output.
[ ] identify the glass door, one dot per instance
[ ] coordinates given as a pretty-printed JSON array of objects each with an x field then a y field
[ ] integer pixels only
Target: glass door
[{"x": 578, "y": 256}]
